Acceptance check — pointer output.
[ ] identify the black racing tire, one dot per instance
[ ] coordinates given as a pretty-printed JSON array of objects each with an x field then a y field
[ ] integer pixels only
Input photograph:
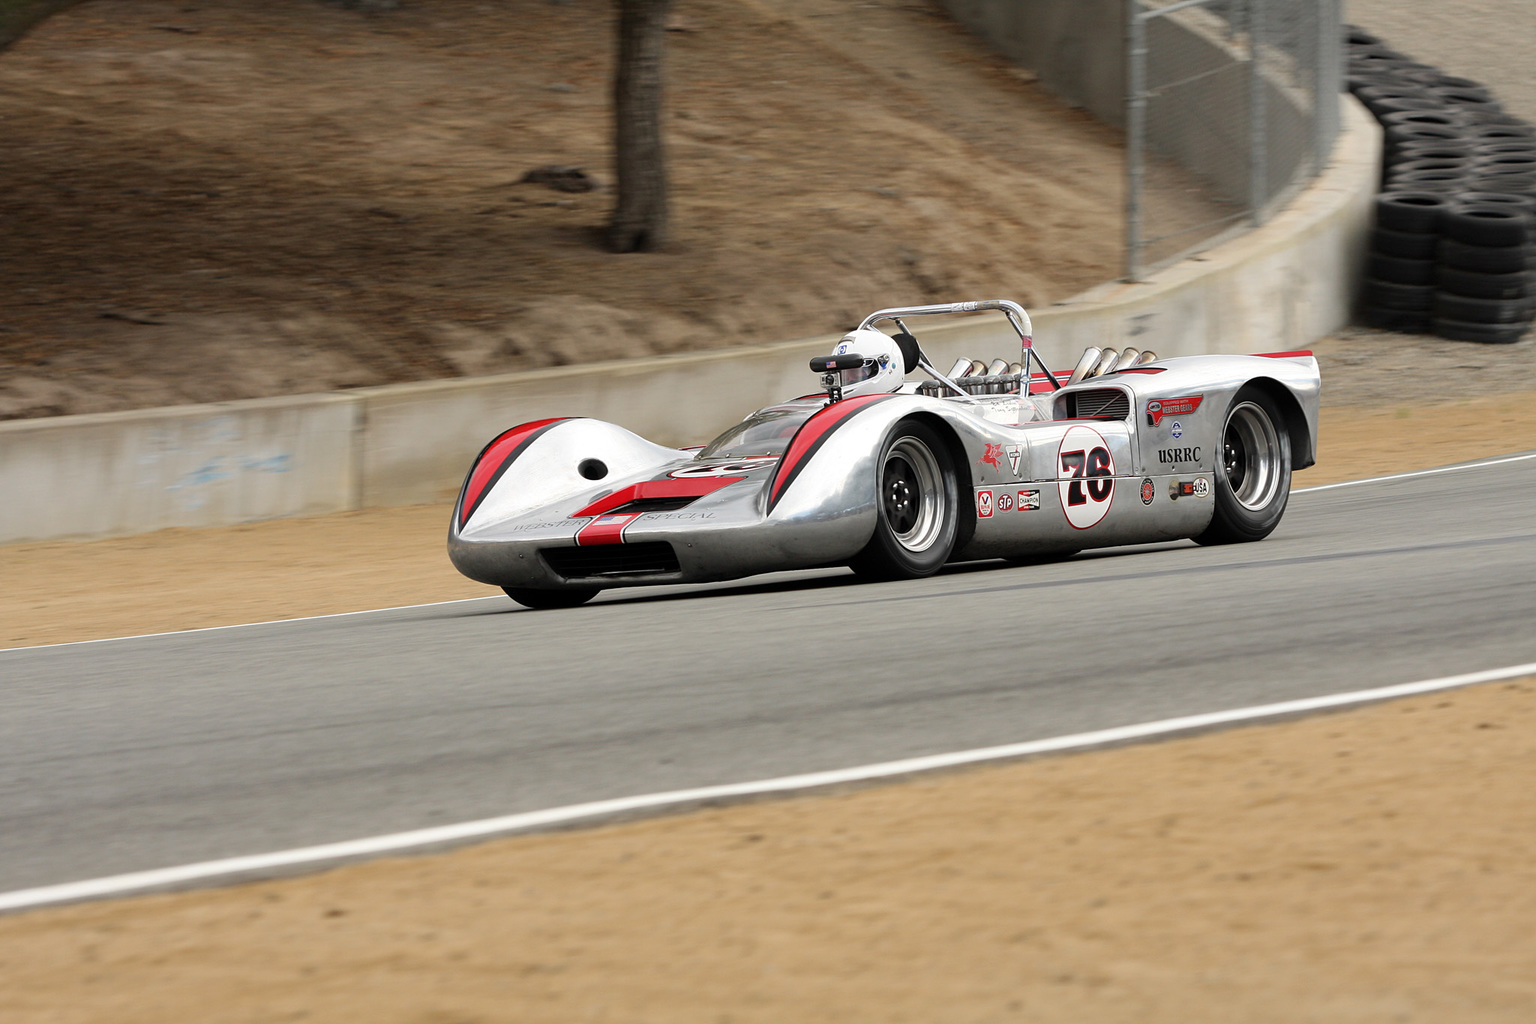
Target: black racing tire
[
  {"x": 1511, "y": 199},
  {"x": 1428, "y": 111},
  {"x": 1488, "y": 334},
  {"x": 1453, "y": 181},
  {"x": 1481, "y": 311},
  {"x": 917, "y": 502},
  {"x": 1515, "y": 130},
  {"x": 1253, "y": 471},
  {"x": 1484, "y": 259},
  {"x": 1404, "y": 245},
  {"x": 1411, "y": 212},
  {"x": 1387, "y": 295},
  {"x": 565, "y": 597},
  {"x": 1404, "y": 321},
  {"x": 1486, "y": 224},
  {"x": 1484, "y": 286},
  {"x": 1400, "y": 271},
  {"x": 1460, "y": 162}
]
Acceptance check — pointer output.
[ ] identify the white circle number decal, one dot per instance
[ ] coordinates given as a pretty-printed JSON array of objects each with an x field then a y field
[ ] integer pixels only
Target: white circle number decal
[{"x": 1085, "y": 476}]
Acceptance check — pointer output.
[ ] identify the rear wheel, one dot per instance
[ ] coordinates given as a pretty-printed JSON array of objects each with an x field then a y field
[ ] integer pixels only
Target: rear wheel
[
  {"x": 568, "y": 597},
  {"x": 918, "y": 505},
  {"x": 1253, "y": 471}
]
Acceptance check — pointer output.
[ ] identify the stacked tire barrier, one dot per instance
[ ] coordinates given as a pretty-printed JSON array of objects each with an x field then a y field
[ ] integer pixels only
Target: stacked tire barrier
[{"x": 1454, "y": 247}]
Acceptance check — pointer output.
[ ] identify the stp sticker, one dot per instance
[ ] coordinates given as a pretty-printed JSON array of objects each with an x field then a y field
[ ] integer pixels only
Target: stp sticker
[
  {"x": 1029, "y": 501},
  {"x": 1005, "y": 502},
  {"x": 992, "y": 454},
  {"x": 1172, "y": 407},
  {"x": 1202, "y": 487},
  {"x": 1148, "y": 492},
  {"x": 983, "y": 504},
  {"x": 1015, "y": 452},
  {"x": 1085, "y": 476}
]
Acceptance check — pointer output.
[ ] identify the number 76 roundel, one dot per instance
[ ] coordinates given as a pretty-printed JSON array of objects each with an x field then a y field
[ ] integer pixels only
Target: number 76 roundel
[{"x": 1085, "y": 476}]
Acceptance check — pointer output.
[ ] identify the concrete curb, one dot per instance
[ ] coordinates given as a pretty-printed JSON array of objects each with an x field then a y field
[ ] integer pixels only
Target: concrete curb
[{"x": 1275, "y": 288}]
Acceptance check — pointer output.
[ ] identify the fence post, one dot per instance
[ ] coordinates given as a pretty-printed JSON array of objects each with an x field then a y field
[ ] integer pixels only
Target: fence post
[
  {"x": 1258, "y": 152},
  {"x": 1135, "y": 133}
]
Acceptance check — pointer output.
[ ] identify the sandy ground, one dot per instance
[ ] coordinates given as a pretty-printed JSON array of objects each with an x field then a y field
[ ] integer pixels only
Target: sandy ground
[
  {"x": 220, "y": 200},
  {"x": 1373, "y": 866}
]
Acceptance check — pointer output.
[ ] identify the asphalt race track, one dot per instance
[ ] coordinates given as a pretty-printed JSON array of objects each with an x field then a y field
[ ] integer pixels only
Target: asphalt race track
[{"x": 132, "y": 754}]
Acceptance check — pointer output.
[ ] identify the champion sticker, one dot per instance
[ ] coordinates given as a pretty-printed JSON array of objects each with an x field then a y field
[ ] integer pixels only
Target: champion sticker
[
  {"x": 983, "y": 504},
  {"x": 1015, "y": 452},
  {"x": 1171, "y": 407},
  {"x": 1085, "y": 476},
  {"x": 1148, "y": 492},
  {"x": 1029, "y": 501}
]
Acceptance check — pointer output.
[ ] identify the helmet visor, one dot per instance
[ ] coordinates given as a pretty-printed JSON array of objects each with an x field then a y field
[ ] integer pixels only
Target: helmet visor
[{"x": 868, "y": 370}]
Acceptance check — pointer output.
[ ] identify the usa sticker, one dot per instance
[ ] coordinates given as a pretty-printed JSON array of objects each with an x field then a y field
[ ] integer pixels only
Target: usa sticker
[
  {"x": 1029, "y": 501},
  {"x": 1148, "y": 492},
  {"x": 1005, "y": 502},
  {"x": 983, "y": 504},
  {"x": 1015, "y": 451},
  {"x": 1172, "y": 407},
  {"x": 1202, "y": 487}
]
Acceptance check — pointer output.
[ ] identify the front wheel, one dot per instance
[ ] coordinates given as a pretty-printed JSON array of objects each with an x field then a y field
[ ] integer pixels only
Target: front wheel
[
  {"x": 1253, "y": 471},
  {"x": 567, "y": 597},
  {"x": 918, "y": 504}
]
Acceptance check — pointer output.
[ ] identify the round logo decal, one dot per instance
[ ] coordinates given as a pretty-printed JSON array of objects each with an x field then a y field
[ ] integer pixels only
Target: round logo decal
[
  {"x": 1147, "y": 491},
  {"x": 1202, "y": 487},
  {"x": 1085, "y": 476},
  {"x": 726, "y": 468},
  {"x": 1177, "y": 430}
]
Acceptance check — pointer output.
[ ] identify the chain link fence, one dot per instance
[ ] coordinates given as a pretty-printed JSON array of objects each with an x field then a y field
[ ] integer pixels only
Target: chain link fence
[{"x": 1232, "y": 106}]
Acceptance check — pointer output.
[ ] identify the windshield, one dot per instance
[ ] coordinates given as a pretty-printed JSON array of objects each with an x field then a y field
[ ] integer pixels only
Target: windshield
[{"x": 765, "y": 432}]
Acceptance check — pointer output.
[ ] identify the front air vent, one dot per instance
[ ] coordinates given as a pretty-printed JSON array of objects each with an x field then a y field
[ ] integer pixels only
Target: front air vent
[
  {"x": 653, "y": 505},
  {"x": 600, "y": 561},
  {"x": 1094, "y": 404}
]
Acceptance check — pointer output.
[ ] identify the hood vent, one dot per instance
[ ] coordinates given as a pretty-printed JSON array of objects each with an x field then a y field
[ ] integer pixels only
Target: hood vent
[{"x": 1094, "y": 404}]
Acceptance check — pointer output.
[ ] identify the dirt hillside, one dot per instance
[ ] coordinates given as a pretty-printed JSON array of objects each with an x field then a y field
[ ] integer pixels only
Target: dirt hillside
[{"x": 221, "y": 200}]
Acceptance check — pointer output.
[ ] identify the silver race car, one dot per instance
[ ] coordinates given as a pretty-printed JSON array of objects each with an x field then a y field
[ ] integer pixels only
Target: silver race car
[{"x": 894, "y": 478}]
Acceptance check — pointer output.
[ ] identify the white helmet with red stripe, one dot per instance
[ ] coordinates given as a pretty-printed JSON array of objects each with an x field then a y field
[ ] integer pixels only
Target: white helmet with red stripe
[{"x": 883, "y": 368}]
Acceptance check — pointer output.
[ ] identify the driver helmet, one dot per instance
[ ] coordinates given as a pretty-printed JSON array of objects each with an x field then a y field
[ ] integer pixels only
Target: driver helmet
[{"x": 884, "y": 366}]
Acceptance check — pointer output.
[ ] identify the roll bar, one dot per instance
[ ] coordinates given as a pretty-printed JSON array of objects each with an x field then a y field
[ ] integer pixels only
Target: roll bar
[{"x": 1017, "y": 317}]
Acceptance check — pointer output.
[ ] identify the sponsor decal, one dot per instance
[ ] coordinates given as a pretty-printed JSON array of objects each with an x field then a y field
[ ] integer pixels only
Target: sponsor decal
[
  {"x": 983, "y": 504},
  {"x": 1085, "y": 476},
  {"x": 1177, "y": 430},
  {"x": 1156, "y": 410},
  {"x": 548, "y": 525},
  {"x": 1015, "y": 452},
  {"x": 1029, "y": 501},
  {"x": 746, "y": 465},
  {"x": 1201, "y": 487},
  {"x": 1168, "y": 456},
  {"x": 1148, "y": 492},
  {"x": 1005, "y": 502},
  {"x": 992, "y": 454},
  {"x": 606, "y": 529},
  {"x": 679, "y": 515}
]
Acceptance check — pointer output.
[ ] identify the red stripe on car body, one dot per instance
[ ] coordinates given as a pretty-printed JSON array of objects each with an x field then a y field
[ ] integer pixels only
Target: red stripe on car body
[
  {"x": 687, "y": 487},
  {"x": 1285, "y": 355},
  {"x": 493, "y": 461},
  {"x": 810, "y": 437},
  {"x": 607, "y": 529}
]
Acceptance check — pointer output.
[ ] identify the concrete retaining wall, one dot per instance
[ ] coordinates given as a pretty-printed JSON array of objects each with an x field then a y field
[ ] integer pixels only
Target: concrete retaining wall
[{"x": 1275, "y": 288}]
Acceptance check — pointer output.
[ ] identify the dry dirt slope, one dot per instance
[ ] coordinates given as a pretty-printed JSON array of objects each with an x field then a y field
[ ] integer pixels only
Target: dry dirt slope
[{"x": 224, "y": 199}]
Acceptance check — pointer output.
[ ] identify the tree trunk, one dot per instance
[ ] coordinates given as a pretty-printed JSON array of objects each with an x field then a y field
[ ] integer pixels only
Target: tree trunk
[{"x": 640, "y": 219}]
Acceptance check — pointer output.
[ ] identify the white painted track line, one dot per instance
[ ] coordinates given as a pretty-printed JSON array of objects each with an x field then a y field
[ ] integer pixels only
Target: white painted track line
[
  {"x": 1417, "y": 472},
  {"x": 232, "y": 867},
  {"x": 465, "y": 600}
]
